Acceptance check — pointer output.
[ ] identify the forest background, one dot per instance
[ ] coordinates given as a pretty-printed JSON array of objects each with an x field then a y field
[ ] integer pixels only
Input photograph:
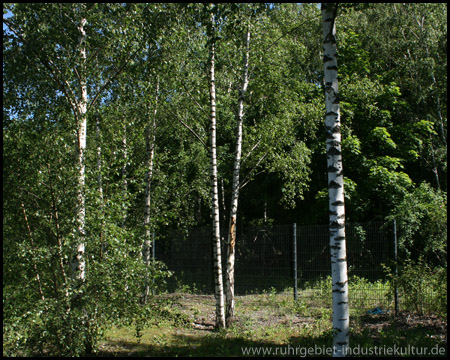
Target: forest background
[{"x": 106, "y": 111}]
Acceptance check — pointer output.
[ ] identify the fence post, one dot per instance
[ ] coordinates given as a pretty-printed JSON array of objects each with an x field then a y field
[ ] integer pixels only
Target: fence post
[
  {"x": 396, "y": 269},
  {"x": 294, "y": 238}
]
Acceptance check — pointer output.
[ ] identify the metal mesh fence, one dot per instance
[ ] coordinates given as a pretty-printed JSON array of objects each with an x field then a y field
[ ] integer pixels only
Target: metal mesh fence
[{"x": 265, "y": 261}]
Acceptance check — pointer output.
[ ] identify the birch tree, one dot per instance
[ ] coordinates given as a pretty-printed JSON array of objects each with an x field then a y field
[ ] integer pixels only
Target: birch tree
[
  {"x": 150, "y": 144},
  {"x": 335, "y": 185},
  {"x": 229, "y": 285},
  {"x": 218, "y": 290},
  {"x": 79, "y": 264}
]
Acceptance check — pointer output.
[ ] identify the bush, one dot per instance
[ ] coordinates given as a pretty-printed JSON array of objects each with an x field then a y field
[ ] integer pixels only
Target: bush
[
  {"x": 111, "y": 294},
  {"x": 49, "y": 329},
  {"x": 422, "y": 225},
  {"x": 422, "y": 289}
]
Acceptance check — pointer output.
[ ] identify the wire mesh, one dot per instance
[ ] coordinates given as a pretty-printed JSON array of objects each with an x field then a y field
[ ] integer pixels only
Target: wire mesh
[{"x": 264, "y": 261}]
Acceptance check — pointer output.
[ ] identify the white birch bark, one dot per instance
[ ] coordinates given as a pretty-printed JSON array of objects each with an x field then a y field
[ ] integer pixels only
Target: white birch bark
[
  {"x": 124, "y": 174},
  {"x": 229, "y": 284},
  {"x": 79, "y": 264},
  {"x": 100, "y": 184},
  {"x": 150, "y": 142},
  {"x": 335, "y": 185},
  {"x": 218, "y": 291}
]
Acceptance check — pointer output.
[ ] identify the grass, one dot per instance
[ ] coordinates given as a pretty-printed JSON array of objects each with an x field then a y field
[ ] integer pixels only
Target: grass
[{"x": 271, "y": 324}]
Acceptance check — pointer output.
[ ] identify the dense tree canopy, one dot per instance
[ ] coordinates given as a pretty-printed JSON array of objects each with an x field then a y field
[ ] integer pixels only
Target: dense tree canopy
[{"x": 141, "y": 70}]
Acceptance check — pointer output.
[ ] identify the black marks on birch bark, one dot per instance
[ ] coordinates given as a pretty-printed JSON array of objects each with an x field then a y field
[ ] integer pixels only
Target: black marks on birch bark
[
  {"x": 331, "y": 113},
  {"x": 326, "y": 58},
  {"x": 332, "y": 169},
  {"x": 333, "y": 151},
  {"x": 336, "y": 225},
  {"x": 331, "y": 130},
  {"x": 334, "y": 185},
  {"x": 330, "y": 38},
  {"x": 337, "y": 203}
]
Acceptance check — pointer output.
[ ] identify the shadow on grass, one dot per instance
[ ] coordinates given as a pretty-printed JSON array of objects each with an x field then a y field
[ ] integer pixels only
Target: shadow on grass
[
  {"x": 427, "y": 336},
  {"x": 213, "y": 344},
  {"x": 216, "y": 345},
  {"x": 184, "y": 345}
]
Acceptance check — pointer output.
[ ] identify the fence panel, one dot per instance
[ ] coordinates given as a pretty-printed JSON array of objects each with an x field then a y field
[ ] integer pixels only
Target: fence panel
[{"x": 264, "y": 260}]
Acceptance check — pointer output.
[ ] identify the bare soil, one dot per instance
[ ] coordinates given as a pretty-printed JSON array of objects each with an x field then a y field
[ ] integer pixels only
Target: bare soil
[
  {"x": 267, "y": 320},
  {"x": 265, "y": 314}
]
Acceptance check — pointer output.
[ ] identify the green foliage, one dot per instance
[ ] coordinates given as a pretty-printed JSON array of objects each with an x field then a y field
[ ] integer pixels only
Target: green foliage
[
  {"x": 159, "y": 312},
  {"x": 73, "y": 326},
  {"x": 49, "y": 329},
  {"x": 57, "y": 331},
  {"x": 389, "y": 183},
  {"x": 422, "y": 225},
  {"x": 294, "y": 170},
  {"x": 422, "y": 288},
  {"x": 362, "y": 292},
  {"x": 382, "y": 138},
  {"x": 393, "y": 109},
  {"x": 352, "y": 55}
]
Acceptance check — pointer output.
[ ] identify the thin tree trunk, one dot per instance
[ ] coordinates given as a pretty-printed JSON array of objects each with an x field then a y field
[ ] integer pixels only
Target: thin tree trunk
[
  {"x": 59, "y": 240},
  {"x": 124, "y": 175},
  {"x": 224, "y": 208},
  {"x": 229, "y": 284},
  {"x": 124, "y": 194},
  {"x": 220, "y": 311},
  {"x": 100, "y": 184},
  {"x": 435, "y": 168},
  {"x": 335, "y": 185},
  {"x": 33, "y": 253},
  {"x": 150, "y": 143},
  {"x": 79, "y": 263}
]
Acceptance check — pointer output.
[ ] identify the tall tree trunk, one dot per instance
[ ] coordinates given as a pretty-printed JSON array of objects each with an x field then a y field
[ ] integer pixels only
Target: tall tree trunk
[
  {"x": 218, "y": 291},
  {"x": 150, "y": 142},
  {"x": 229, "y": 284},
  {"x": 79, "y": 264},
  {"x": 335, "y": 185}
]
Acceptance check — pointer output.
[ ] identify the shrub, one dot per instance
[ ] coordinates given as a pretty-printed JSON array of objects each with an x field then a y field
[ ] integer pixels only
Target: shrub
[
  {"x": 422, "y": 225},
  {"x": 422, "y": 289}
]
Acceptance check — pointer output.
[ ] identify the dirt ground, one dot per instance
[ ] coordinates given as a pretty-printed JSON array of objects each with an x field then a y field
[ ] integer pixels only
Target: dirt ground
[
  {"x": 264, "y": 311},
  {"x": 406, "y": 321},
  {"x": 270, "y": 320}
]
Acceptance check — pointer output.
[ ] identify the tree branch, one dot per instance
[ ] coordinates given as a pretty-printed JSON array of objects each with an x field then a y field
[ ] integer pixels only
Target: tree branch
[
  {"x": 194, "y": 100},
  {"x": 247, "y": 178},
  {"x": 192, "y": 131},
  {"x": 251, "y": 150},
  {"x": 114, "y": 76}
]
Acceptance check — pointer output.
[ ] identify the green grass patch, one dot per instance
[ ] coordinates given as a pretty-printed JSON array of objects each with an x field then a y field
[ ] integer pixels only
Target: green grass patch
[{"x": 270, "y": 324}]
